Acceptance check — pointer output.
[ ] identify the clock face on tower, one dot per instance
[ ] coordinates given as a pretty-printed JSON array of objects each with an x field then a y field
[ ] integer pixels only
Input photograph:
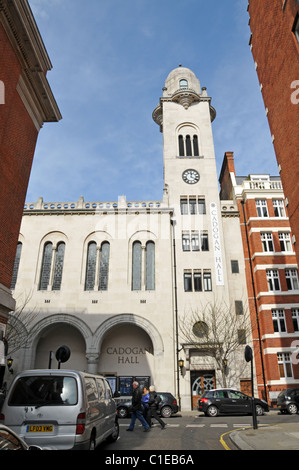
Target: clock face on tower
[{"x": 190, "y": 176}]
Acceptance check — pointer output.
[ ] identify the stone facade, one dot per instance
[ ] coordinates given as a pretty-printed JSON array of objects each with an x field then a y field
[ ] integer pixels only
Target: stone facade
[{"x": 118, "y": 281}]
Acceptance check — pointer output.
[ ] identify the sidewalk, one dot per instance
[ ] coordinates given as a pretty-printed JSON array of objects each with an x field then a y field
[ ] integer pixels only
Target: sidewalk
[{"x": 282, "y": 436}]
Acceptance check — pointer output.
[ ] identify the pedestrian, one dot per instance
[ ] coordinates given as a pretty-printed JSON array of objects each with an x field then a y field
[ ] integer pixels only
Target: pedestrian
[
  {"x": 137, "y": 409},
  {"x": 153, "y": 403},
  {"x": 145, "y": 407}
]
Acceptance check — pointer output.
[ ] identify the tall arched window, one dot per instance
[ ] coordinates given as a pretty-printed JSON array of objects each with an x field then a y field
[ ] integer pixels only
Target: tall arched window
[
  {"x": 195, "y": 146},
  {"x": 181, "y": 146},
  {"x": 16, "y": 266},
  {"x": 136, "y": 266},
  {"x": 58, "y": 266},
  {"x": 188, "y": 146},
  {"x": 150, "y": 266},
  {"x": 104, "y": 266},
  {"x": 91, "y": 266},
  {"x": 46, "y": 266}
]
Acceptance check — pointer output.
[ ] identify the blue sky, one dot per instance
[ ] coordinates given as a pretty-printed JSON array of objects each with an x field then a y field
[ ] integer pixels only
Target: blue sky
[{"x": 110, "y": 61}]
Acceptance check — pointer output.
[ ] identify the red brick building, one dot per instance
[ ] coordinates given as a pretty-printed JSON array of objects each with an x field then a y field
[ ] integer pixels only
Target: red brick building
[
  {"x": 274, "y": 44},
  {"x": 26, "y": 103},
  {"x": 272, "y": 276}
]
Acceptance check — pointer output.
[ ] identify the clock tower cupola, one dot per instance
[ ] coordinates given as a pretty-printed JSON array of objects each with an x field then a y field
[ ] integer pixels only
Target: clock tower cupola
[{"x": 185, "y": 117}]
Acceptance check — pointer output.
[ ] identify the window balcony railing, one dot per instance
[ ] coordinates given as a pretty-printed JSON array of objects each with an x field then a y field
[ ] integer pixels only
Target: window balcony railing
[{"x": 262, "y": 185}]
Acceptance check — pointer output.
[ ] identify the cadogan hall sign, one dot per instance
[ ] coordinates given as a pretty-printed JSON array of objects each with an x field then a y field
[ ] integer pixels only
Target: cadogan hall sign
[
  {"x": 216, "y": 245},
  {"x": 128, "y": 355}
]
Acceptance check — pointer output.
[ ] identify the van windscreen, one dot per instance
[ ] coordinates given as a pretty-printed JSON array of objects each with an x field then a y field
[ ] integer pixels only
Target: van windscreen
[{"x": 44, "y": 391}]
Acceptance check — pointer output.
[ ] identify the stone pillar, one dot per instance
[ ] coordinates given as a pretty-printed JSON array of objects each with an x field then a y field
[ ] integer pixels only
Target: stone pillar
[{"x": 92, "y": 362}]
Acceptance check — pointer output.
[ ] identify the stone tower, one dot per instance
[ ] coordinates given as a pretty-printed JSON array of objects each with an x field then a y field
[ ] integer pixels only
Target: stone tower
[{"x": 202, "y": 252}]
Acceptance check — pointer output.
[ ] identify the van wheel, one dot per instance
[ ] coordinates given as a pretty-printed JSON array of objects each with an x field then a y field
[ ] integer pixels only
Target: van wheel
[
  {"x": 122, "y": 412},
  {"x": 92, "y": 442},
  {"x": 114, "y": 436}
]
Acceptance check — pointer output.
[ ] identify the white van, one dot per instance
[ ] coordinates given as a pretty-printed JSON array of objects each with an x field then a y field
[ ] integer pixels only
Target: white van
[{"x": 61, "y": 409}]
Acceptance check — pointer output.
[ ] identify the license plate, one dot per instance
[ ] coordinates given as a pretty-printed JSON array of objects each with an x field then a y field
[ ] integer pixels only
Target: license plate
[{"x": 39, "y": 428}]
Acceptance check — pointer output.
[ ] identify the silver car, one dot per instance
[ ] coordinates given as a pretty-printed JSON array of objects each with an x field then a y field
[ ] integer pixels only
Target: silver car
[{"x": 61, "y": 409}]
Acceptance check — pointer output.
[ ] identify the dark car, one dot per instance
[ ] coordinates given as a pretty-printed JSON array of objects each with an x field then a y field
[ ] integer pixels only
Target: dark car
[
  {"x": 167, "y": 406},
  {"x": 229, "y": 401},
  {"x": 288, "y": 401}
]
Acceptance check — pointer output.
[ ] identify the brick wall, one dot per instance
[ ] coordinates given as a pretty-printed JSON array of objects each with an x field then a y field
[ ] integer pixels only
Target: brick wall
[
  {"x": 263, "y": 298},
  {"x": 266, "y": 343},
  {"x": 275, "y": 50},
  {"x": 18, "y": 137}
]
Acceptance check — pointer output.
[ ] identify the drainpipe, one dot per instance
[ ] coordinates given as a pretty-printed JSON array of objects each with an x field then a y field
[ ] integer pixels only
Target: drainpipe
[
  {"x": 255, "y": 302},
  {"x": 176, "y": 313}
]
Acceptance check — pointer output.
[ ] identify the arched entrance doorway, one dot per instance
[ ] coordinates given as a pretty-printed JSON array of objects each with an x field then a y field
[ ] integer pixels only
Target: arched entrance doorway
[
  {"x": 201, "y": 381},
  {"x": 56, "y": 335},
  {"x": 126, "y": 354}
]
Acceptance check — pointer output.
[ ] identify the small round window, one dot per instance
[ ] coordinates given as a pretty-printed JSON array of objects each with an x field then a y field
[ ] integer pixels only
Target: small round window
[{"x": 200, "y": 329}]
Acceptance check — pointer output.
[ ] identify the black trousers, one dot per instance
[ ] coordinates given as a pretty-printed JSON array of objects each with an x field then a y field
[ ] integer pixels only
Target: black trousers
[
  {"x": 146, "y": 414},
  {"x": 152, "y": 413}
]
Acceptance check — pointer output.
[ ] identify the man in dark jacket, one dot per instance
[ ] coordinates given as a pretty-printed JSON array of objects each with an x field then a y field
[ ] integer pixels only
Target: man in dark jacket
[
  {"x": 153, "y": 403},
  {"x": 137, "y": 409}
]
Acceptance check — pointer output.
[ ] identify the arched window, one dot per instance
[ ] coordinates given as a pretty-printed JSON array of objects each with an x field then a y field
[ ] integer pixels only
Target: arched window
[
  {"x": 46, "y": 267},
  {"x": 195, "y": 146},
  {"x": 104, "y": 266},
  {"x": 91, "y": 266},
  {"x": 181, "y": 146},
  {"x": 150, "y": 266},
  {"x": 136, "y": 266},
  {"x": 58, "y": 266},
  {"x": 188, "y": 146},
  {"x": 183, "y": 84},
  {"x": 16, "y": 266}
]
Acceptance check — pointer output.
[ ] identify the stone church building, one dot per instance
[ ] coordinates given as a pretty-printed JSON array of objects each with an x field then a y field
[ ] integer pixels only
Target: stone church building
[{"x": 119, "y": 281}]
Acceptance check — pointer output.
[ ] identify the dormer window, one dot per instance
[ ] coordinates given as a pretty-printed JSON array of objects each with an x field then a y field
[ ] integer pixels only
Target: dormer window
[{"x": 183, "y": 84}]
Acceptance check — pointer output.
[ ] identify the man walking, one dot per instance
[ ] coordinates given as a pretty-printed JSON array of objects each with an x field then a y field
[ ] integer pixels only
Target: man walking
[
  {"x": 153, "y": 403},
  {"x": 137, "y": 409}
]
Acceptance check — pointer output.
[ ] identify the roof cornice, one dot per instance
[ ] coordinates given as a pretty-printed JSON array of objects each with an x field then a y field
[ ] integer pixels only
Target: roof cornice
[{"x": 20, "y": 26}]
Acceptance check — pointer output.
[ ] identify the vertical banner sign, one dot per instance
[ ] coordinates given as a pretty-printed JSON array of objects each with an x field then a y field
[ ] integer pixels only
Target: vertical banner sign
[{"x": 216, "y": 244}]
